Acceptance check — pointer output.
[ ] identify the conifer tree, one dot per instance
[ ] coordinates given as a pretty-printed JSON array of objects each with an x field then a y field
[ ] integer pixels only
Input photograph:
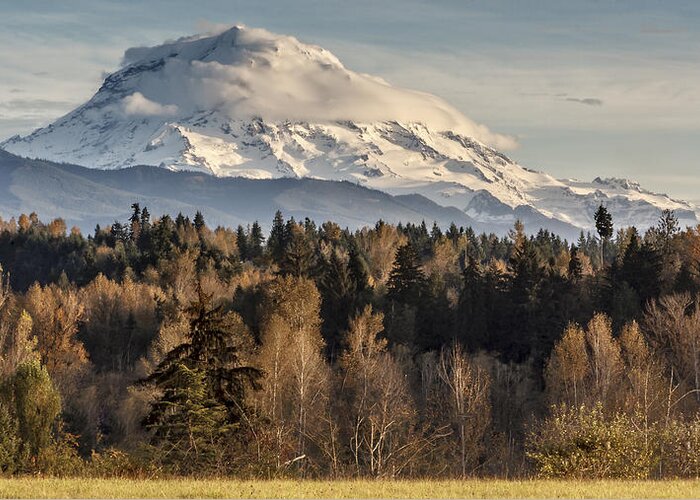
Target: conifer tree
[
  {"x": 472, "y": 309},
  {"x": 604, "y": 226},
  {"x": 339, "y": 299},
  {"x": 255, "y": 241},
  {"x": 242, "y": 243},
  {"x": 179, "y": 220},
  {"x": 199, "y": 223},
  {"x": 575, "y": 265},
  {"x": 359, "y": 270},
  {"x": 299, "y": 258},
  {"x": 135, "y": 222},
  {"x": 667, "y": 228},
  {"x": 407, "y": 283},
  {"x": 161, "y": 239},
  {"x": 202, "y": 381},
  {"x": 276, "y": 241}
]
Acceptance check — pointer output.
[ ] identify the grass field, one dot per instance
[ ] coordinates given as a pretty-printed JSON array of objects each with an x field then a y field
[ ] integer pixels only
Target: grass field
[{"x": 117, "y": 488}]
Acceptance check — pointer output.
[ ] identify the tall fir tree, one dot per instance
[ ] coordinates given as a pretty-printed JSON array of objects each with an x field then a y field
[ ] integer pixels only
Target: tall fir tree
[
  {"x": 276, "y": 241},
  {"x": 202, "y": 381},
  {"x": 242, "y": 243},
  {"x": 255, "y": 241},
  {"x": 407, "y": 283},
  {"x": 604, "y": 226}
]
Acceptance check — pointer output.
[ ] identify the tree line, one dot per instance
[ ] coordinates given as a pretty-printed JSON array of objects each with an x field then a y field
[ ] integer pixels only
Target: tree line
[{"x": 165, "y": 346}]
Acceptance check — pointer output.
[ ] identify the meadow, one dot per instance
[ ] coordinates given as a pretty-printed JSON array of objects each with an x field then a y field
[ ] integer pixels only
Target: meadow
[{"x": 32, "y": 487}]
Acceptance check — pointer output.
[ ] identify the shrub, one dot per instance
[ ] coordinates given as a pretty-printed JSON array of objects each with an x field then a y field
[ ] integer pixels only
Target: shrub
[
  {"x": 114, "y": 463},
  {"x": 9, "y": 440},
  {"x": 583, "y": 443},
  {"x": 680, "y": 449}
]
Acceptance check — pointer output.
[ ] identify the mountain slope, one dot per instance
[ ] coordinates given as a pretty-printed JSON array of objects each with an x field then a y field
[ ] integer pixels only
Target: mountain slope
[
  {"x": 249, "y": 103},
  {"x": 86, "y": 197}
]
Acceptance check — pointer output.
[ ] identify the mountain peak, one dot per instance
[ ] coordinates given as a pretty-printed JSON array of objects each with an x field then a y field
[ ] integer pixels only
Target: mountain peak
[
  {"x": 244, "y": 73},
  {"x": 245, "y": 102},
  {"x": 237, "y": 45}
]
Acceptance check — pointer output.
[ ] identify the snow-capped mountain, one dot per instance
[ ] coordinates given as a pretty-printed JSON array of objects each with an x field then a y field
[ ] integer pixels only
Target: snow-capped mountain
[{"x": 249, "y": 103}]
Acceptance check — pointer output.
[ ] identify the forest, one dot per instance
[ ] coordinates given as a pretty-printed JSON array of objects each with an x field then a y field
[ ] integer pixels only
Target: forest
[{"x": 161, "y": 347}]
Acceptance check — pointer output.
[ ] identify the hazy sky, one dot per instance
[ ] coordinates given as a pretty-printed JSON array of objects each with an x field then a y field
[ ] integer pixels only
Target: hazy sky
[{"x": 609, "y": 88}]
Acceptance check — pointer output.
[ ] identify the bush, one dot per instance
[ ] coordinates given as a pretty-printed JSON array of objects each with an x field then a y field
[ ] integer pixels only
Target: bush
[
  {"x": 114, "y": 463},
  {"x": 680, "y": 449},
  {"x": 9, "y": 441},
  {"x": 583, "y": 443},
  {"x": 59, "y": 459}
]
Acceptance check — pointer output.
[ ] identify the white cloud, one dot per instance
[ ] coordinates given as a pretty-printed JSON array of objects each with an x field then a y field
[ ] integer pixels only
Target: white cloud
[
  {"x": 137, "y": 105},
  {"x": 252, "y": 72}
]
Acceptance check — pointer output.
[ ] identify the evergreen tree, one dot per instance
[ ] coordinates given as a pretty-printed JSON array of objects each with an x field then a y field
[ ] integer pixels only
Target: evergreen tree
[
  {"x": 575, "y": 265},
  {"x": 604, "y": 226},
  {"x": 135, "y": 222},
  {"x": 145, "y": 219},
  {"x": 472, "y": 309},
  {"x": 525, "y": 276},
  {"x": 191, "y": 429},
  {"x": 299, "y": 257},
  {"x": 667, "y": 228},
  {"x": 199, "y": 223},
  {"x": 435, "y": 232},
  {"x": 452, "y": 233},
  {"x": 242, "y": 243},
  {"x": 407, "y": 283},
  {"x": 179, "y": 220},
  {"x": 339, "y": 300},
  {"x": 202, "y": 381},
  {"x": 359, "y": 271},
  {"x": 640, "y": 269},
  {"x": 276, "y": 241},
  {"x": 118, "y": 232},
  {"x": 255, "y": 241}
]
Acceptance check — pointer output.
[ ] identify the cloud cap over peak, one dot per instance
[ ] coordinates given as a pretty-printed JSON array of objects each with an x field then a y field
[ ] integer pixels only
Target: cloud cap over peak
[{"x": 247, "y": 72}]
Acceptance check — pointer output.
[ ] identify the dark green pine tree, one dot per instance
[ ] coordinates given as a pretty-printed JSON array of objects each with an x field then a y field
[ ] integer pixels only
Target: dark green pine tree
[
  {"x": 118, "y": 231},
  {"x": 255, "y": 241},
  {"x": 641, "y": 268},
  {"x": 242, "y": 243},
  {"x": 575, "y": 265},
  {"x": 525, "y": 270},
  {"x": 202, "y": 384},
  {"x": 667, "y": 228},
  {"x": 452, "y": 233},
  {"x": 359, "y": 271},
  {"x": 299, "y": 258},
  {"x": 525, "y": 275},
  {"x": 276, "y": 241},
  {"x": 409, "y": 297},
  {"x": 144, "y": 239},
  {"x": 435, "y": 233},
  {"x": 145, "y": 218},
  {"x": 407, "y": 283},
  {"x": 180, "y": 220},
  {"x": 199, "y": 223},
  {"x": 135, "y": 222},
  {"x": 604, "y": 226},
  {"x": 472, "y": 310},
  {"x": 339, "y": 300},
  {"x": 162, "y": 236}
]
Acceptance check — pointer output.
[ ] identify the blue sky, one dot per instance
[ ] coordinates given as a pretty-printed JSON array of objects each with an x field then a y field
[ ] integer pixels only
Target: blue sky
[{"x": 588, "y": 88}]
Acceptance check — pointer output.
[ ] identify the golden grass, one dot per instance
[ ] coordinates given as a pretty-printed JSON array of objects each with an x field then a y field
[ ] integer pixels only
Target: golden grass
[{"x": 29, "y": 487}]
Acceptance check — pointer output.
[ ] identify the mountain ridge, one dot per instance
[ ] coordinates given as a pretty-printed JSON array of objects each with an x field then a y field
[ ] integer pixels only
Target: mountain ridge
[
  {"x": 249, "y": 103},
  {"x": 85, "y": 197}
]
